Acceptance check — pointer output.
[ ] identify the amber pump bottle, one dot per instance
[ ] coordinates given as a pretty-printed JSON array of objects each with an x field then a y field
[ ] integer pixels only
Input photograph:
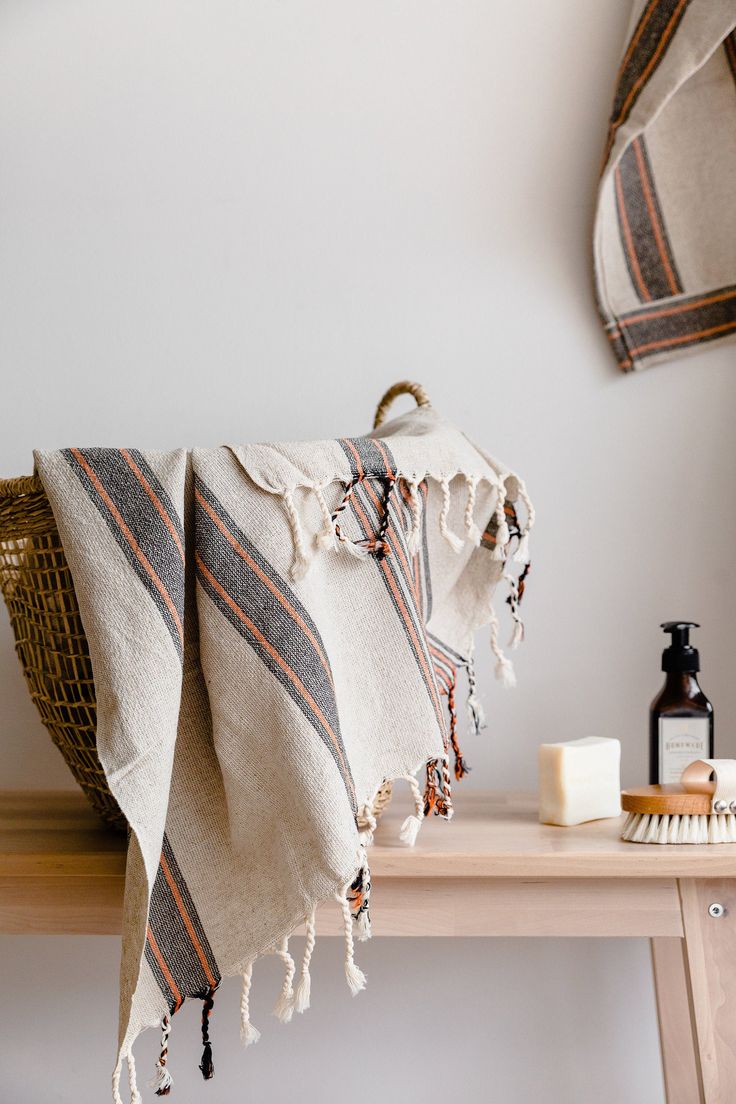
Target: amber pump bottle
[{"x": 681, "y": 727}]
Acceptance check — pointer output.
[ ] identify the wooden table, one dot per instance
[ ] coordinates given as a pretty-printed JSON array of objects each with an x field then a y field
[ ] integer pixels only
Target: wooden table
[{"x": 493, "y": 871}]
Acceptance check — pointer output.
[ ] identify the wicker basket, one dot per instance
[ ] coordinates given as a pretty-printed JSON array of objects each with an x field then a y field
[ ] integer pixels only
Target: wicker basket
[{"x": 49, "y": 635}]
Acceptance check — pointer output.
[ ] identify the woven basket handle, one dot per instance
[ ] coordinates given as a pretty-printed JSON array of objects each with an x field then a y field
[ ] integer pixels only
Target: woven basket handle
[{"x": 404, "y": 387}]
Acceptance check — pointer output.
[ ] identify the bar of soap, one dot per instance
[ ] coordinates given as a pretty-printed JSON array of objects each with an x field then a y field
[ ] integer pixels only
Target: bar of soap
[{"x": 579, "y": 780}]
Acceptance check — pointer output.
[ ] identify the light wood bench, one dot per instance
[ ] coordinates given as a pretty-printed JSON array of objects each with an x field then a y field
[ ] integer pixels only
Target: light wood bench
[{"x": 493, "y": 871}]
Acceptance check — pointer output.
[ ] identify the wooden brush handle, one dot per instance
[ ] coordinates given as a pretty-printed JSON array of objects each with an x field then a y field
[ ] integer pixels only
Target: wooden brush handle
[{"x": 667, "y": 800}]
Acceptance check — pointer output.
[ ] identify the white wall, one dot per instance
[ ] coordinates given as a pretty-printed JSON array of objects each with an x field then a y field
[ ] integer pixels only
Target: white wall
[{"x": 238, "y": 221}]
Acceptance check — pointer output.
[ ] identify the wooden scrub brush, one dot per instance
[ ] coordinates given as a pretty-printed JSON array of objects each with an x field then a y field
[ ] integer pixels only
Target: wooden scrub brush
[{"x": 700, "y": 808}]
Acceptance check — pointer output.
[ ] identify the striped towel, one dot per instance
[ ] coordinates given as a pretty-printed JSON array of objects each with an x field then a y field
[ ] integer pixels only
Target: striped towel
[
  {"x": 665, "y": 230},
  {"x": 275, "y": 631}
]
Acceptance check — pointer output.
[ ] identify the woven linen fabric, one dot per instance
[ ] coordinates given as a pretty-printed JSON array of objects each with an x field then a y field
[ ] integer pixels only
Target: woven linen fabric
[
  {"x": 275, "y": 630},
  {"x": 665, "y": 227}
]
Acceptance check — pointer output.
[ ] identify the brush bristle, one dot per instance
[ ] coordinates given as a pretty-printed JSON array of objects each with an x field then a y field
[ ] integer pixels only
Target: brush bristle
[{"x": 655, "y": 828}]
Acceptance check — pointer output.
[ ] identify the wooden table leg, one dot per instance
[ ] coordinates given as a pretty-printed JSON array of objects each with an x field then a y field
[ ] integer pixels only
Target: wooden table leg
[
  {"x": 676, "y": 1039},
  {"x": 710, "y": 970}
]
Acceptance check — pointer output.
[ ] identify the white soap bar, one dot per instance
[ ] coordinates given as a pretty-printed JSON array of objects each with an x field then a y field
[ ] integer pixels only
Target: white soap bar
[{"x": 579, "y": 780}]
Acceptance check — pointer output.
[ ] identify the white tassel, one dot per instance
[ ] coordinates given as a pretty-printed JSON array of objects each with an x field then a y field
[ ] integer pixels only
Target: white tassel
[
  {"x": 412, "y": 824},
  {"x": 135, "y": 1096},
  {"x": 476, "y": 713},
  {"x": 353, "y": 974},
  {"x": 367, "y": 818},
  {"x": 503, "y": 535},
  {"x": 303, "y": 990},
  {"x": 416, "y": 516},
  {"x": 410, "y": 830},
  {"x": 302, "y": 559},
  {"x": 163, "y": 1080},
  {"x": 504, "y": 667},
  {"x": 284, "y": 1007},
  {"x": 472, "y": 532},
  {"x": 326, "y": 537},
  {"x": 363, "y": 927},
  {"x": 357, "y": 550},
  {"x": 452, "y": 539},
  {"x": 249, "y": 1033},
  {"x": 517, "y": 635},
  {"x": 116, "y": 1074},
  {"x": 521, "y": 555}
]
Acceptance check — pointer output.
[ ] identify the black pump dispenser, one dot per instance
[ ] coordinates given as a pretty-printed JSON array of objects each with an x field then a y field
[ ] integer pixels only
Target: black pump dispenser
[
  {"x": 680, "y": 655},
  {"x": 681, "y": 719}
]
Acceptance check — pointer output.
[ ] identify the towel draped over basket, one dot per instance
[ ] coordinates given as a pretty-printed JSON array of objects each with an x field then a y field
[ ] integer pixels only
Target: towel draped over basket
[{"x": 273, "y": 631}]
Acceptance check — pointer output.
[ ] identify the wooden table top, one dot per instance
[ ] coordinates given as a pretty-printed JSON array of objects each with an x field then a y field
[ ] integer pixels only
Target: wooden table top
[{"x": 50, "y": 834}]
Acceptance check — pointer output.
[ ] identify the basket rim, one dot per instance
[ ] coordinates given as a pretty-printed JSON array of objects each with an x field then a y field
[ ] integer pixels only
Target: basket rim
[{"x": 20, "y": 485}]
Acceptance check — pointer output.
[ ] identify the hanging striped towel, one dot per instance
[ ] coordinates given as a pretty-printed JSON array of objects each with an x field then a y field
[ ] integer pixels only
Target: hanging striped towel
[
  {"x": 665, "y": 229},
  {"x": 275, "y": 631}
]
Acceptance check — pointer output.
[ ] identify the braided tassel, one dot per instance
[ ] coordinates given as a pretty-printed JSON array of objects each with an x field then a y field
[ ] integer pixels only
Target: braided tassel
[
  {"x": 353, "y": 973},
  {"x": 359, "y": 898},
  {"x": 206, "y": 1065},
  {"x": 503, "y": 534},
  {"x": 249, "y": 1033},
  {"x": 284, "y": 1007},
  {"x": 454, "y": 541},
  {"x": 162, "y": 1081},
  {"x": 326, "y": 537},
  {"x": 521, "y": 555},
  {"x": 412, "y": 824},
  {"x": 302, "y": 559},
  {"x": 472, "y": 532},
  {"x": 303, "y": 991}
]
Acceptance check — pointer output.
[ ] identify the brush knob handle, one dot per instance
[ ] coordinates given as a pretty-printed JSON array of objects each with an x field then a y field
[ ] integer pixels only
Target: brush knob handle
[{"x": 696, "y": 778}]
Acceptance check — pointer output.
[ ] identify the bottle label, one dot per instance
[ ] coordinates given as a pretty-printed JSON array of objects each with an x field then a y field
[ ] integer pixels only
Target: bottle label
[{"x": 681, "y": 740}]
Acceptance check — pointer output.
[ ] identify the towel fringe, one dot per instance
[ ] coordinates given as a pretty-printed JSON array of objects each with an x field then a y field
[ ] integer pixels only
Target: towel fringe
[
  {"x": 359, "y": 897},
  {"x": 504, "y": 667},
  {"x": 412, "y": 824},
  {"x": 521, "y": 555},
  {"x": 302, "y": 559},
  {"x": 135, "y": 1096},
  {"x": 207, "y": 1065},
  {"x": 116, "y": 1074},
  {"x": 368, "y": 818},
  {"x": 437, "y": 793},
  {"x": 503, "y": 533},
  {"x": 380, "y": 545},
  {"x": 359, "y": 549},
  {"x": 326, "y": 537},
  {"x": 354, "y": 976},
  {"x": 461, "y": 768},
  {"x": 330, "y": 535},
  {"x": 163, "y": 1080},
  {"x": 416, "y": 515},
  {"x": 517, "y": 635},
  {"x": 249, "y": 1033},
  {"x": 472, "y": 532},
  {"x": 283, "y": 1010},
  {"x": 303, "y": 990},
  {"x": 455, "y": 542}
]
